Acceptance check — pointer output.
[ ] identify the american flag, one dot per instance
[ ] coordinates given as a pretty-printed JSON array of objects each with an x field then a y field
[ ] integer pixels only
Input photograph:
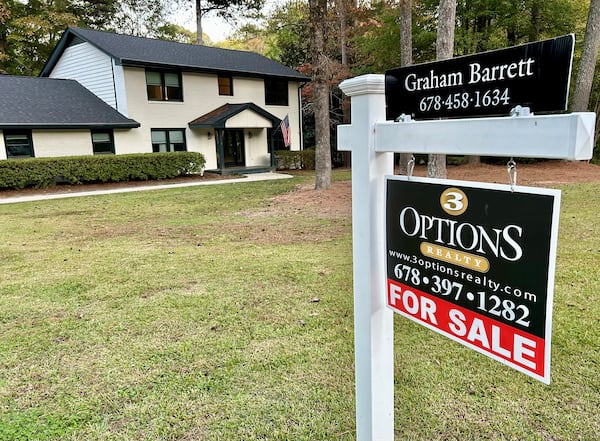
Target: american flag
[{"x": 285, "y": 131}]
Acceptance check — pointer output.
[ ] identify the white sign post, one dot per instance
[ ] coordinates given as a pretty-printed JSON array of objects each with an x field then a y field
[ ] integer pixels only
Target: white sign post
[
  {"x": 374, "y": 350},
  {"x": 372, "y": 141}
]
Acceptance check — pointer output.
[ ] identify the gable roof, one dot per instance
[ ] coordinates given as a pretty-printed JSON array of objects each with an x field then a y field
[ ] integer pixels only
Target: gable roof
[
  {"x": 137, "y": 51},
  {"x": 218, "y": 117},
  {"x": 48, "y": 103}
]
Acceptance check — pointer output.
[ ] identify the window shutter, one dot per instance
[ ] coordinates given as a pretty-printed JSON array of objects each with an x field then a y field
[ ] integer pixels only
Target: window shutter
[
  {"x": 171, "y": 80},
  {"x": 153, "y": 78}
]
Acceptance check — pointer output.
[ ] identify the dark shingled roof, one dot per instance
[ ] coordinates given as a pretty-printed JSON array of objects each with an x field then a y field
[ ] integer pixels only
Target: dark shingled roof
[
  {"x": 138, "y": 51},
  {"x": 218, "y": 117},
  {"x": 47, "y": 103}
]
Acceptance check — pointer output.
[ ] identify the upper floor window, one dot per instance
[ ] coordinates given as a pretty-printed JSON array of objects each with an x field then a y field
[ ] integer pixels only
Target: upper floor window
[
  {"x": 225, "y": 85},
  {"x": 276, "y": 92},
  {"x": 103, "y": 142},
  {"x": 18, "y": 144},
  {"x": 168, "y": 140},
  {"x": 164, "y": 86}
]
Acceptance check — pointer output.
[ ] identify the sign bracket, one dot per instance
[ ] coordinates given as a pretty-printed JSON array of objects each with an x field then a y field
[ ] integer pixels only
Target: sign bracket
[
  {"x": 565, "y": 136},
  {"x": 520, "y": 111}
]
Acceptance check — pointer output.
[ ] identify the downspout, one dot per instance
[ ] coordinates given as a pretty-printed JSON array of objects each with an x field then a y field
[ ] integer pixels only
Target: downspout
[
  {"x": 272, "y": 148},
  {"x": 300, "y": 116}
]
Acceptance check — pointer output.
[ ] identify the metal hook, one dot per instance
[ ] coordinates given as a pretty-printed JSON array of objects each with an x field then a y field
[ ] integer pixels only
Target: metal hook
[
  {"x": 410, "y": 166},
  {"x": 511, "y": 169}
]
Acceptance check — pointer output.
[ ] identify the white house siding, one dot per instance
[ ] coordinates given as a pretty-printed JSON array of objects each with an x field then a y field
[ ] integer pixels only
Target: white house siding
[
  {"x": 248, "y": 119},
  {"x": 295, "y": 116},
  {"x": 197, "y": 141},
  {"x": 91, "y": 68},
  {"x": 255, "y": 148},
  {"x": 53, "y": 143},
  {"x": 201, "y": 95},
  {"x": 120, "y": 93},
  {"x": 132, "y": 141}
]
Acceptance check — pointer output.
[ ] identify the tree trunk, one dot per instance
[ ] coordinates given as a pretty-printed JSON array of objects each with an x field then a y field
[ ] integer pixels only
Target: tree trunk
[
  {"x": 587, "y": 64},
  {"x": 405, "y": 60},
  {"x": 536, "y": 21},
  {"x": 342, "y": 16},
  {"x": 317, "y": 13},
  {"x": 444, "y": 49},
  {"x": 199, "y": 37},
  {"x": 405, "y": 32}
]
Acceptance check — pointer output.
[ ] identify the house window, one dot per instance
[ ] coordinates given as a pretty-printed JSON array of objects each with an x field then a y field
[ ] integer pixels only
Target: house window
[
  {"x": 164, "y": 86},
  {"x": 168, "y": 140},
  {"x": 276, "y": 92},
  {"x": 18, "y": 144},
  {"x": 225, "y": 86},
  {"x": 103, "y": 142}
]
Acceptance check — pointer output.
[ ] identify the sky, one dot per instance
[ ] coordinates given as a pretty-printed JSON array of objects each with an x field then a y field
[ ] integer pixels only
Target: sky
[{"x": 216, "y": 28}]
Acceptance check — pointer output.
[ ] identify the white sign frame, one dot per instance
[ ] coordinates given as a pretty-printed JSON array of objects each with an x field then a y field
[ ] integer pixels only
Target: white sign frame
[{"x": 372, "y": 141}]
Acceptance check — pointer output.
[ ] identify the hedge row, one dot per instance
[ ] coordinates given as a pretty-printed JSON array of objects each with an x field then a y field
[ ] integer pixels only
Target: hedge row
[
  {"x": 43, "y": 172},
  {"x": 286, "y": 159}
]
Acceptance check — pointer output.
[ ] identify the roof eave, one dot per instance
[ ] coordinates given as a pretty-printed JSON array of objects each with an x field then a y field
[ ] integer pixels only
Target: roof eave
[
  {"x": 242, "y": 73},
  {"x": 219, "y": 125},
  {"x": 69, "y": 126},
  {"x": 55, "y": 54}
]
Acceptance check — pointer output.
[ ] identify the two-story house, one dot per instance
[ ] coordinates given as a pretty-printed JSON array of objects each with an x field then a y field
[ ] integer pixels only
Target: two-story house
[{"x": 225, "y": 104}]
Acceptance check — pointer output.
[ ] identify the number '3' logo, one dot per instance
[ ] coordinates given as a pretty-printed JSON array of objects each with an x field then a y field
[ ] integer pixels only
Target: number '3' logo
[{"x": 454, "y": 201}]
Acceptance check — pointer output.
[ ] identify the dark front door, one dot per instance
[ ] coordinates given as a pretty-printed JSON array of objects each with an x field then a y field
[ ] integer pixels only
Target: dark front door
[{"x": 233, "y": 147}]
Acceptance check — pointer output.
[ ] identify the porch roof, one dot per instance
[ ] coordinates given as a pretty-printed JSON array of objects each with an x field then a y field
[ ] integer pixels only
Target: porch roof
[{"x": 217, "y": 118}]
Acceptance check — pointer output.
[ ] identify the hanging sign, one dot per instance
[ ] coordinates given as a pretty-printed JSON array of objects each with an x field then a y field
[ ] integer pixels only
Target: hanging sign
[
  {"x": 475, "y": 262},
  {"x": 534, "y": 75}
]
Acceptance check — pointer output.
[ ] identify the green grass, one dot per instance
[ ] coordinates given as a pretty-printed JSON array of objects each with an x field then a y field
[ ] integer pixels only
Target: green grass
[{"x": 186, "y": 314}]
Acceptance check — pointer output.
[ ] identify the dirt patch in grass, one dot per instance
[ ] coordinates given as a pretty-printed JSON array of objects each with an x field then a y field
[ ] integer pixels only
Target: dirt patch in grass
[
  {"x": 541, "y": 174},
  {"x": 337, "y": 202}
]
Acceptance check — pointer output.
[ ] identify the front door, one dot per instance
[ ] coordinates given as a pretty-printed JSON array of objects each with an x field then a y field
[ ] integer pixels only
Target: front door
[{"x": 233, "y": 147}]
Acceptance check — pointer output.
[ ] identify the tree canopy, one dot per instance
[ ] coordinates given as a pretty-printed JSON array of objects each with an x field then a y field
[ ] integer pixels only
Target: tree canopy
[{"x": 363, "y": 37}]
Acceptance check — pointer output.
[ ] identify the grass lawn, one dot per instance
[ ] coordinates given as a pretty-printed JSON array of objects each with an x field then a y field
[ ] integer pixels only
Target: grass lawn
[{"x": 192, "y": 314}]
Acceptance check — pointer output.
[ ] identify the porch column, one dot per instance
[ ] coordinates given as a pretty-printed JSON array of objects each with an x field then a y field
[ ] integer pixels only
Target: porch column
[
  {"x": 220, "y": 150},
  {"x": 272, "y": 148}
]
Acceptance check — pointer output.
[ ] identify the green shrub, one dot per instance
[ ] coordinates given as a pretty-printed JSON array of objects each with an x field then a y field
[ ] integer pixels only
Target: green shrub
[
  {"x": 43, "y": 172},
  {"x": 295, "y": 159}
]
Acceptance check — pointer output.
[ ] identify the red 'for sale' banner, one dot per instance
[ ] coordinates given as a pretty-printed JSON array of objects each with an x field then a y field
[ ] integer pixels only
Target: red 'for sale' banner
[{"x": 490, "y": 337}]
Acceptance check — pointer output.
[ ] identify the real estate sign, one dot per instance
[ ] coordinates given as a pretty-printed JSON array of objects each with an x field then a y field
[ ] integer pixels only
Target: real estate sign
[
  {"x": 475, "y": 262},
  {"x": 534, "y": 75}
]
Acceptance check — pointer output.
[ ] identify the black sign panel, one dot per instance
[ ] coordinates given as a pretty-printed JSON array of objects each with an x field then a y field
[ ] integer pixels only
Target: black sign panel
[
  {"x": 476, "y": 264},
  {"x": 534, "y": 75}
]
